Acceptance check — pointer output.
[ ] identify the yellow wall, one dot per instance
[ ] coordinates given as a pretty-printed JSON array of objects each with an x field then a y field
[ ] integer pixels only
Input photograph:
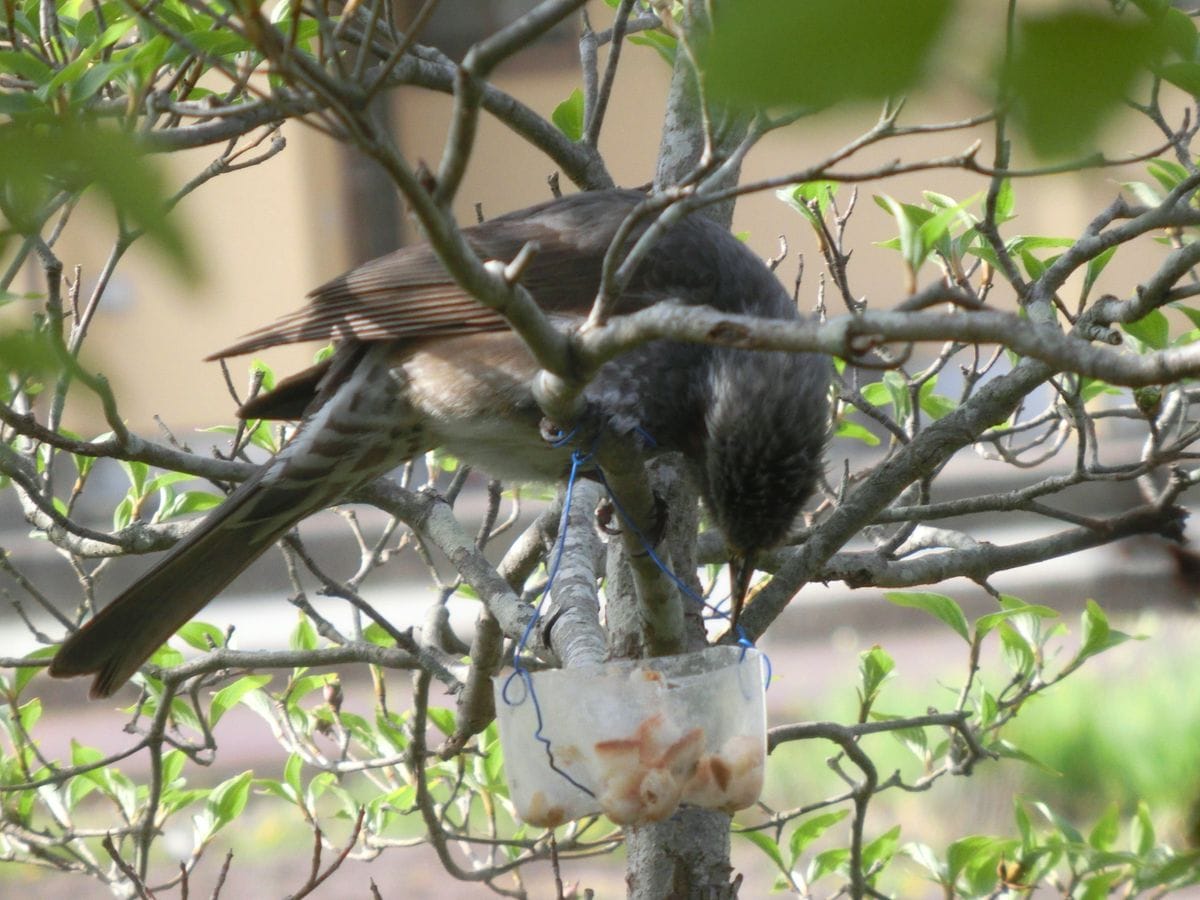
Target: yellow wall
[{"x": 267, "y": 235}]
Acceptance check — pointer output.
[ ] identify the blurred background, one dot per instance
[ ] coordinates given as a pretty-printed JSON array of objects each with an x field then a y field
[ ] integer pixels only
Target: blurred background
[{"x": 1128, "y": 727}]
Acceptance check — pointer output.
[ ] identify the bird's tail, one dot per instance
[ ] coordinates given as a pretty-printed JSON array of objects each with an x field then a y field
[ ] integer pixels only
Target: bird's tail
[
  {"x": 114, "y": 644},
  {"x": 359, "y": 428}
]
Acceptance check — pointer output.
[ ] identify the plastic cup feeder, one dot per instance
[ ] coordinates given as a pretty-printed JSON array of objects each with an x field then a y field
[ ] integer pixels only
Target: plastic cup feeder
[{"x": 634, "y": 739}]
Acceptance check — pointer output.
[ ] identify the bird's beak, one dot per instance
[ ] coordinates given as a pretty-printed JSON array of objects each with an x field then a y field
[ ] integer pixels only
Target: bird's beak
[{"x": 741, "y": 570}]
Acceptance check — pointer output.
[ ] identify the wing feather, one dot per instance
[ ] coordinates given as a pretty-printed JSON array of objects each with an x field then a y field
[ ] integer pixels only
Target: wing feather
[{"x": 409, "y": 294}]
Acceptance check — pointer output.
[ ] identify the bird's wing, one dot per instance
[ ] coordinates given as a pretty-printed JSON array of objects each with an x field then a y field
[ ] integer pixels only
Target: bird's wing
[{"x": 408, "y": 293}]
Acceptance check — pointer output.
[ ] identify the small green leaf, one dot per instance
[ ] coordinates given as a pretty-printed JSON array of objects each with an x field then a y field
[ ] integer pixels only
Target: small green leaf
[
  {"x": 228, "y": 799},
  {"x": 27, "y": 352},
  {"x": 780, "y": 52},
  {"x": 1065, "y": 828},
  {"x": 1097, "y": 635},
  {"x": 1016, "y": 648},
  {"x": 986, "y": 623},
  {"x": 229, "y": 695},
  {"x": 1141, "y": 830},
  {"x": 923, "y": 856},
  {"x": 882, "y": 849},
  {"x": 1152, "y": 330},
  {"x": 1104, "y": 833},
  {"x": 1009, "y": 751},
  {"x": 874, "y": 667},
  {"x": 172, "y": 765},
  {"x": 443, "y": 718},
  {"x": 304, "y": 637},
  {"x": 812, "y": 828},
  {"x": 568, "y": 115},
  {"x": 934, "y": 405},
  {"x": 1005, "y": 201},
  {"x": 855, "y": 432},
  {"x": 291, "y": 774},
  {"x": 202, "y": 635},
  {"x": 1094, "y": 267},
  {"x": 1059, "y": 95},
  {"x": 767, "y": 845},
  {"x": 1184, "y": 75},
  {"x": 938, "y": 605},
  {"x": 664, "y": 44},
  {"x": 827, "y": 862},
  {"x": 800, "y": 196}
]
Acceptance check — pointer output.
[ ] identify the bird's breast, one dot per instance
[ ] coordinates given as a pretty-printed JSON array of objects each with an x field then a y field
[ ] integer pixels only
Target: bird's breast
[{"x": 474, "y": 394}]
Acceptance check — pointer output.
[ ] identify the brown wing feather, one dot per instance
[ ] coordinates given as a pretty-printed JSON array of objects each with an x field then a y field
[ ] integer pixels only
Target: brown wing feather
[{"x": 408, "y": 294}]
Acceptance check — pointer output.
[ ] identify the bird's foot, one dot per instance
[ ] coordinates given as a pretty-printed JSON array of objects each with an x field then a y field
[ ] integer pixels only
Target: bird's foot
[{"x": 651, "y": 535}]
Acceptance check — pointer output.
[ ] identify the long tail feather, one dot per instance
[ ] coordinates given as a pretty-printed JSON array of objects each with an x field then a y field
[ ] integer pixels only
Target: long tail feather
[
  {"x": 360, "y": 428},
  {"x": 114, "y": 644}
]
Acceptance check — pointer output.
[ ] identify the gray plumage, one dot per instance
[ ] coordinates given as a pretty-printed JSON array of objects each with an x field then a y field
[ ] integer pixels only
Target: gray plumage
[{"x": 421, "y": 364}]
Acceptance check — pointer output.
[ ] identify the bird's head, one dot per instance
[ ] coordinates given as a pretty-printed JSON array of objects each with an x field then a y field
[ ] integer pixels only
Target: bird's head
[{"x": 765, "y": 432}]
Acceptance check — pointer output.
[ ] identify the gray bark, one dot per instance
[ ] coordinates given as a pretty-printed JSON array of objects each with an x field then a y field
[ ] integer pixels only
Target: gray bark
[{"x": 686, "y": 856}]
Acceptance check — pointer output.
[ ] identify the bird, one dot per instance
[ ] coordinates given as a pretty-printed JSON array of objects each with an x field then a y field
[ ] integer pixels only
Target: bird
[{"x": 420, "y": 364}]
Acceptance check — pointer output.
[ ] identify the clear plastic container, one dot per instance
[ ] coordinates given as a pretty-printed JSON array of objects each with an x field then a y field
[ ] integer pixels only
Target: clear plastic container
[{"x": 635, "y": 739}]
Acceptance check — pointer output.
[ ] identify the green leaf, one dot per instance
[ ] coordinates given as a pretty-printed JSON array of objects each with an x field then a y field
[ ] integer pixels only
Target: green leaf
[
  {"x": 1193, "y": 315},
  {"x": 812, "y": 828},
  {"x": 443, "y": 718},
  {"x": 1152, "y": 330},
  {"x": 1097, "y": 635},
  {"x": 75, "y": 155},
  {"x": 909, "y": 220},
  {"x": 855, "y": 432},
  {"x": 376, "y": 634},
  {"x": 1094, "y": 267},
  {"x": 874, "y": 667},
  {"x": 1185, "y": 75},
  {"x": 877, "y": 394},
  {"x": 172, "y": 765},
  {"x": 1167, "y": 172},
  {"x": 826, "y": 863},
  {"x": 938, "y": 605},
  {"x": 986, "y": 623},
  {"x": 767, "y": 845},
  {"x": 229, "y": 695},
  {"x": 29, "y": 66},
  {"x": 568, "y": 115},
  {"x": 924, "y": 856},
  {"x": 291, "y": 774},
  {"x": 1143, "y": 193},
  {"x": 934, "y": 405},
  {"x": 1060, "y": 95},
  {"x": 202, "y": 635},
  {"x": 1009, "y": 751},
  {"x": 1141, "y": 830},
  {"x": 1016, "y": 648},
  {"x": 27, "y": 352},
  {"x": 800, "y": 196},
  {"x": 1180, "y": 32},
  {"x": 912, "y": 739},
  {"x": 1005, "y": 201},
  {"x": 304, "y": 637},
  {"x": 1104, "y": 833},
  {"x": 25, "y": 674},
  {"x": 662, "y": 43},
  {"x": 820, "y": 52},
  {"x": 966, "y": 850},
  {"x": 1065, "y": 828},
  {"x": 882, "y": 849},
  {"x": 228, "y": 799}
]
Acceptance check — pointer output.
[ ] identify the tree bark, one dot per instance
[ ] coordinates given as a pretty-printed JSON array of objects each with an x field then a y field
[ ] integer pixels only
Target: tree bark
[{"x": 686, "y": 856}]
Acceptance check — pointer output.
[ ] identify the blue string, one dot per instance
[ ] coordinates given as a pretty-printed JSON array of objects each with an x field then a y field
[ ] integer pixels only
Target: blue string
[
  {"x": 579, "y": 459},
  {"x": 742, "y": 640},
  {"x": 519, "y": 671}
]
